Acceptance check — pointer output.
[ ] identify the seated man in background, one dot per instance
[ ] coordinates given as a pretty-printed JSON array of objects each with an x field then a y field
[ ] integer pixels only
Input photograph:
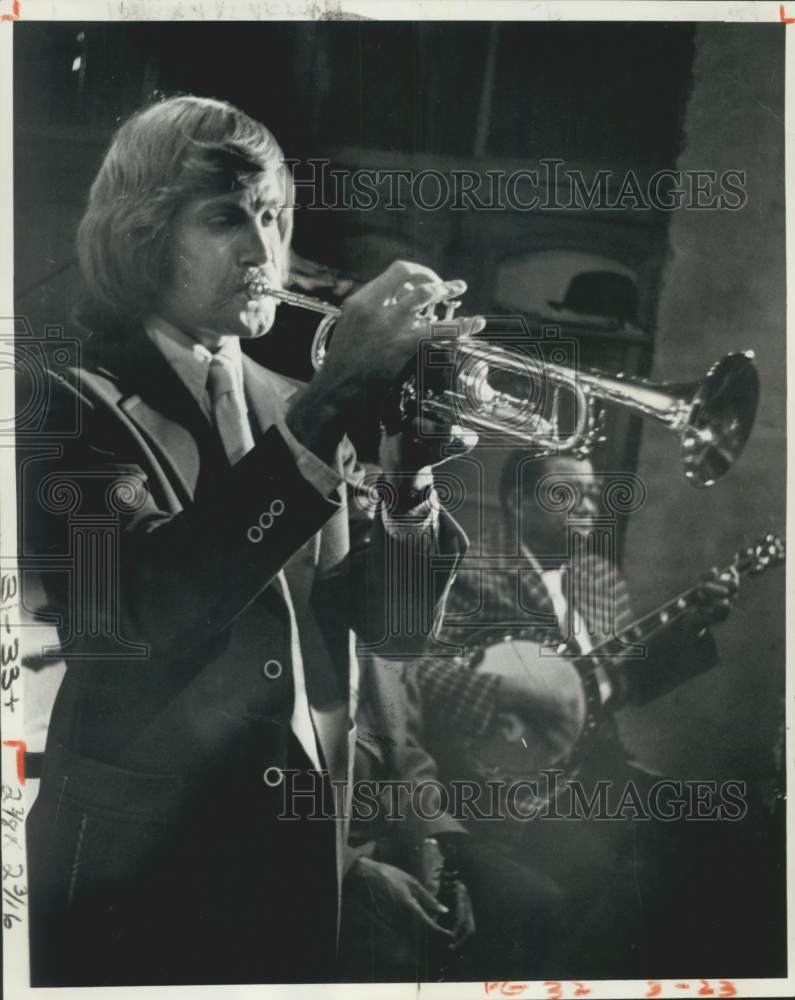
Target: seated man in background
[{"x": 585, "y": 899}]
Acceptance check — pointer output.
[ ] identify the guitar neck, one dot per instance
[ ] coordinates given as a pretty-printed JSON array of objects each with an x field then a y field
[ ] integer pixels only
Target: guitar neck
[{"x": 615, "y": 659}]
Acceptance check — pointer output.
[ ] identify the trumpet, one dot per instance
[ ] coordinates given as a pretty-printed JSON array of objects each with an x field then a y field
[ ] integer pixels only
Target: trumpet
[{"x": 457, "y": 379}]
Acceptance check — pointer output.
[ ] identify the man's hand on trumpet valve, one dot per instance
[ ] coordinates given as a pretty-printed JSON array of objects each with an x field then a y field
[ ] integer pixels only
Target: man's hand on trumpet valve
[
  {"x": 426, "y": 441},
  {"x": 380, "y": 330}
]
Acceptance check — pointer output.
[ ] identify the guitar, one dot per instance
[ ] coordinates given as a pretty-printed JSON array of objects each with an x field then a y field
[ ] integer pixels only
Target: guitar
[{"x": 517, "y": 748}]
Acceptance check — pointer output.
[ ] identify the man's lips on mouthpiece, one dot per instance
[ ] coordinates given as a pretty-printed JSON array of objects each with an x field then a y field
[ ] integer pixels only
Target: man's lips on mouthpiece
[
  {"x": 256, "y": 283},
  {"x": 256, "y": 286}
]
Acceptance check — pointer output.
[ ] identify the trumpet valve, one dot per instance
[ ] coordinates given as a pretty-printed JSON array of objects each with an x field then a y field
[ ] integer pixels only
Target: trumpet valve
[
  {"x": 429, "y": 312},
  {"x": 450, "y": 308}
]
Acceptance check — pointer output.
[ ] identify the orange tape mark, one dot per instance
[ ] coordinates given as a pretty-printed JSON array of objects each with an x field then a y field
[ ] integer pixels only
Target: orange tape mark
[
  {"x": 783, "y": 17},
  {"x": 14, "y": 15},
  {"x": 21, "y": 747}
]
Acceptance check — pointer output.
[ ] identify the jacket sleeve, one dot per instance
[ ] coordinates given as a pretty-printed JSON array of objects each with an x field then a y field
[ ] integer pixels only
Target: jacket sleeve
[{"x": 182, "y": 576}]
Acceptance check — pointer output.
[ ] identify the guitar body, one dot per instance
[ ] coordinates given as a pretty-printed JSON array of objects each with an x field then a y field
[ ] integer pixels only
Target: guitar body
[{"x": 519, "y": 747}]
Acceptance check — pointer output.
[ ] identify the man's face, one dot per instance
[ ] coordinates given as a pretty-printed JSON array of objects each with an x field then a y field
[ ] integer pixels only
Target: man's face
[
  {"x": 566, "y": 493},
  {"x": 212, "y": 242}
]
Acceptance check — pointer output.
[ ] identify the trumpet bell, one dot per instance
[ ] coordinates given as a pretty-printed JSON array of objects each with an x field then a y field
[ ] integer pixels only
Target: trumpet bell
[{"x": 720, "y": 418}]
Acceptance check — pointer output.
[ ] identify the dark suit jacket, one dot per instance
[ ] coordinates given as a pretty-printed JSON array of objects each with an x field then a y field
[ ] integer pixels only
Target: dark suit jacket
[{"x": 154, "y": 849}]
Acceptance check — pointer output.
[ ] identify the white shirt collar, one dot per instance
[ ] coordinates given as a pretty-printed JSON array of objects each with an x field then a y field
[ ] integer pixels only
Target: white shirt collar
[
  {"x": 190, "y": 359},
  {"x": 567, "y": 616}
]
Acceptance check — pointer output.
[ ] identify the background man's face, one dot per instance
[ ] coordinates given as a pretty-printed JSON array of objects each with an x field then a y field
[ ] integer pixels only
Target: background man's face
[
  {"x": 212, "y": 242},
  {"x": 567, "y": 493}
]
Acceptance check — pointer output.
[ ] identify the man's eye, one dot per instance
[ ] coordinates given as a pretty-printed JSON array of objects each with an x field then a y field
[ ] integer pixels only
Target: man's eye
[{"x": 223, "y": 219}]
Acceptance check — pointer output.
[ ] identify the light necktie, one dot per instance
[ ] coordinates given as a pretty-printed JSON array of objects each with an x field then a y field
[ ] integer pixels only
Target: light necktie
[
  {"x": 231, "y": 420},
  {"x": 229, "y": 409}
]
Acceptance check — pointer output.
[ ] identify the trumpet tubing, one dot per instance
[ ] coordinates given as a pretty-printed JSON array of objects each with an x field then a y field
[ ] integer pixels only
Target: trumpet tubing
[{"x": 712, "y": 417}]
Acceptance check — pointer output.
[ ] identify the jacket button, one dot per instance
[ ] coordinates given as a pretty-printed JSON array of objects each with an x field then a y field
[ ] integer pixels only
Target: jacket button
[
  {"x": 272, "y": 670},
  {"x": 273, "y": 777}
]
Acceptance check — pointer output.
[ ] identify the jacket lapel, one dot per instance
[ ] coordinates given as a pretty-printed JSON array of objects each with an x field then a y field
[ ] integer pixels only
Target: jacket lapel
[
  {"x": 536, "y": 602},
  {"x": 174, "y": 445},
  {"x": 266, "y": 394},
  {"x": 600, "y": 596},
  {"x": 159, "y": 404}
]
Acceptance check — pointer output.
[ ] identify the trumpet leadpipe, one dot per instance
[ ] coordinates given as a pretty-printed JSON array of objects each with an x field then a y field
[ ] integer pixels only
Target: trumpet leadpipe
[{"x": 258, "y": 287}]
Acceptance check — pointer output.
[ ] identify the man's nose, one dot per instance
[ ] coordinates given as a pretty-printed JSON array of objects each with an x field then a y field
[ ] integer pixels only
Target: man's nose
[
  {"x": 258, "y": 244},
  {"x": 586, "y": 506}
]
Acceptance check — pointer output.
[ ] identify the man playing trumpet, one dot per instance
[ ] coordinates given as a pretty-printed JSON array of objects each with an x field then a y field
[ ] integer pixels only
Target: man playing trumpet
[{"x": 157, "y": 851}]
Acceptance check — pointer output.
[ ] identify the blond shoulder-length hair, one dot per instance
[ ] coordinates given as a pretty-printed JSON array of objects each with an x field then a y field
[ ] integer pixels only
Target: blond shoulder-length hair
[{"x": 163, "y": 156}]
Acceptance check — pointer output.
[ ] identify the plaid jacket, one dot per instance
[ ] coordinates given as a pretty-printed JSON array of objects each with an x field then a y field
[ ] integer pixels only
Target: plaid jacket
[{"x": 500, "y": 594}]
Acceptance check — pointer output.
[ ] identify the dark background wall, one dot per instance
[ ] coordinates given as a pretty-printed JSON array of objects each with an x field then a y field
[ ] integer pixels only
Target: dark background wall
[
  {"x": 485, "y": 97},
  {"x": 723, "y": 289}
]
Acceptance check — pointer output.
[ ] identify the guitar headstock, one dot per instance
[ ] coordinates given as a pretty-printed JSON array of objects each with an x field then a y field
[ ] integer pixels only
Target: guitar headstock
[{"x": 769, "y": 551}]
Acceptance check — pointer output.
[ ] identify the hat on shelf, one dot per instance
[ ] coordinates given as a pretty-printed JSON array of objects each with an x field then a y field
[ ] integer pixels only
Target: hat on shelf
[{"x": 601, "y": 293}]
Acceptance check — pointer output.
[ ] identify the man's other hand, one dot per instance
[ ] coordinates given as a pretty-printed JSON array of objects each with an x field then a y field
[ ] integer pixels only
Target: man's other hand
[
  {"x": 464, "y": 926},
  {"x": 393, "y": 890},
  {"x": 715, "y": 596}
]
